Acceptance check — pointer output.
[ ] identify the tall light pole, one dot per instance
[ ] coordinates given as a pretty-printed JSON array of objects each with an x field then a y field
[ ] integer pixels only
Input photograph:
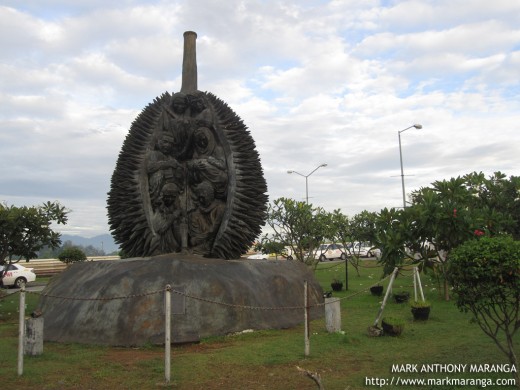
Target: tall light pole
[
  {"x": 307, "y": 180},
  {"x": 418, "y": 127}
]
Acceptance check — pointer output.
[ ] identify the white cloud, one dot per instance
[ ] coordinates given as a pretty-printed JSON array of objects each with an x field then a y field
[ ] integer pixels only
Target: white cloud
[{"x": 315, "y": 81}]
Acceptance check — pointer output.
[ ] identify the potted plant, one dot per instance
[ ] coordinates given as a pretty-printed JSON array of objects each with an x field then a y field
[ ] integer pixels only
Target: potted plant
[
  {"x": 401, "y": 296},
  {"x": 377, "y": 290},
  {"x": 392, "y": 326},
  {"x": 420, "y": 310},
  {"x": 337, "y": 285}
]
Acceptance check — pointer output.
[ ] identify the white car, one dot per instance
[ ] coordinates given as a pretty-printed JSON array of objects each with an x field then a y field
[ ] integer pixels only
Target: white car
[
  {"x": 258, "y": 256},
  {"x": 364, "y": 250},
  {"x": 330, "y": 252},
  {"x": 375, "y": 252},
  {"x": 17, "y": 275}
]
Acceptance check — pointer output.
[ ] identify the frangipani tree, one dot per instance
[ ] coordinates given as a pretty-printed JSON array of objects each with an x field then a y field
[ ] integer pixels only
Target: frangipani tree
[
  {"x": 299, "y": 225},
  {"x": 442, "y": 217},
  {"x": 485, "y": 275},
  {"x": 25, "y": 230},
  {"x": 347, "y": 231}
]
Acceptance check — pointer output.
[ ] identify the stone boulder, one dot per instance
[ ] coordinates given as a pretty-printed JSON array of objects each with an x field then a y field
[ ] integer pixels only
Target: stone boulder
[{"x": 121, "y": 303}]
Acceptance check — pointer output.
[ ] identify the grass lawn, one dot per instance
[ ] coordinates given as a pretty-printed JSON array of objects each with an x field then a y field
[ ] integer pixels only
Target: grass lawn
[{"x": 268, "y": 359}]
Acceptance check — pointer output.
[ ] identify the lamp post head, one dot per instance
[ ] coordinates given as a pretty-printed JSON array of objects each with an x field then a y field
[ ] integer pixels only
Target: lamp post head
[
  {"x": 417, "y": 126},
  {"x": 323, "y": 165},
  {"x": 290, "y": 171}
]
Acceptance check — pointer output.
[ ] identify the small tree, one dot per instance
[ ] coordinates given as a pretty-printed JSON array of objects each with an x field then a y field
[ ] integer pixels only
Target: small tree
[
  {"x": 72, "y": 254},
  {"x": 300, "y": 226},
  {"x": 25, "y": 230},
  {"x": 346, "y": 231},
  {"x": 485, "y": 275},
  {"x": 267, "y": 245}
]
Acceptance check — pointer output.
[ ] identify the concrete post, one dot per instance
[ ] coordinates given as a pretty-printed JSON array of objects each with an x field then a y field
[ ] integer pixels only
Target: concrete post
[
  {"x": 167, "y": 333},
  {"x": 332, "y": 315},
  {"x": 306, "y": 319},
  {"x": 34, "y": 336},
  {"x": 21, "y": 330}
]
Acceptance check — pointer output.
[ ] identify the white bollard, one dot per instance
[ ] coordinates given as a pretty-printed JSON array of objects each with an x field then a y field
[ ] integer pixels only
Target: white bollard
[
  {"x": 307, "y": 349},
  {"x": 34, "y": 336},
  {"x": 332, "y": 315},
  {"x": 167, "y": 333},
  {"x": 21, "y": 330}
]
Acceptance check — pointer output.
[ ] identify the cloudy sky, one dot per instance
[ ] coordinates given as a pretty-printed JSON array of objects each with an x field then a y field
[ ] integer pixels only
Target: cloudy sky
[{"x": 315, "y": 81}]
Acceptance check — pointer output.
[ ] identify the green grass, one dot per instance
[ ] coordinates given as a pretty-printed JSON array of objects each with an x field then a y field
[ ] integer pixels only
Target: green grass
[{"x": 268, "y": 359}]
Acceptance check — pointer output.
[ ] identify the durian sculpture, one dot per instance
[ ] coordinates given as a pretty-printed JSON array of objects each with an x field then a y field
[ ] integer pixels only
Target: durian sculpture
[{"x": 188, "y": 178}]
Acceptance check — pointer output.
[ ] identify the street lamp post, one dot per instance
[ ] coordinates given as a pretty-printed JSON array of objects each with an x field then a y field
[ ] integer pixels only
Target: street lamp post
[
  {"x": 418, "y": 127},
  {"x": 307, "y": 180}
]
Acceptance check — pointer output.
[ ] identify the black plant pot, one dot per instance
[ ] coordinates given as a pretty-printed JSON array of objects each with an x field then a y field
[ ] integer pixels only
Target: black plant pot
[
  {"x": 421, "y": 313},
  {"x": 337, "y": 286},
  {"x": 376, "y": 290},
  {"x": 392, "y": 330},
  {"x": 401, "y": 297}
]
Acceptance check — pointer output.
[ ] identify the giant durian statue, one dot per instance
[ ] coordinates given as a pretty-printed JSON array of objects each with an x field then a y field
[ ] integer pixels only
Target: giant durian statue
[
  {"x": 187, "y": 197},
  {"x": 188, "y": 178}
]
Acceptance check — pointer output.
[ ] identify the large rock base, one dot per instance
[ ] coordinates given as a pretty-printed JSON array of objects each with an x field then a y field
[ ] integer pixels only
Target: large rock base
[{"x": 121, "y": 303}]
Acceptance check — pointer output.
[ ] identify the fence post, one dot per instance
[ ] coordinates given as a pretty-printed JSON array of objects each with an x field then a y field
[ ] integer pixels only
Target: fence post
[
  {"x": 33, "y": 344},
  {"x": 167, "y": 333},
  {"x": 332, "y": 315},
  {"x": 21, "y": 330},
  {"x": 306, "y": 317}
]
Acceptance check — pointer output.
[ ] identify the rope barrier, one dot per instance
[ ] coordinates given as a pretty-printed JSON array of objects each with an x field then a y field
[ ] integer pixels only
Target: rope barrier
[
  {"x": 9, "y": 295},
  {"x": 206, "y": 300},
  {"x": 97, "y": 299},
  {"x": 369, "y": 266},
  {"x": 365, "y": 290},
  {"x": 167, "y": 290},
  {"x": 329, "y": 267},
  {"x": 242, "y": 306}
]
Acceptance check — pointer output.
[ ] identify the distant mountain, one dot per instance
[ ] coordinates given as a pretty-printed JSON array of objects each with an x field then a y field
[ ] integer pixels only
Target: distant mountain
[{"x": 103, "y": 241}]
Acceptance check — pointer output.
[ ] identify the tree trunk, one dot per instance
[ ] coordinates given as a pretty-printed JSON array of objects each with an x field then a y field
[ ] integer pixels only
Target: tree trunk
[
  {"x": 512, "y": 358},
  {"x": 446, "y": 285},
  {"x": 446, "y": 290}
]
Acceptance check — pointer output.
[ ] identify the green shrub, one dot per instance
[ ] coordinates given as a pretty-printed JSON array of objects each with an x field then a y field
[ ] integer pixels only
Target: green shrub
[
  {"x": 394, "y": 321},
  {"x": 71, "y": 255},
  {"x": 420, "y": 304},
  {"x": 485, "y": 275}
]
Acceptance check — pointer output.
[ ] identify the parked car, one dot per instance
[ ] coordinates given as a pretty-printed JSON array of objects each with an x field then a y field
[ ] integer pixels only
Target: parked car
[
  {"x": 17, "y": 275},
  {"x": 258, "y": 256},
  {"x": 330, "y": 252},
  {"x": 375, "y": 252},
  {"x": 364, "y": 249}
]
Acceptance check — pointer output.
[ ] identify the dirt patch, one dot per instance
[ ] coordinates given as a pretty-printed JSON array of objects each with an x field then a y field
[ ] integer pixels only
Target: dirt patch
[{"x": 131, "y": 356}]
